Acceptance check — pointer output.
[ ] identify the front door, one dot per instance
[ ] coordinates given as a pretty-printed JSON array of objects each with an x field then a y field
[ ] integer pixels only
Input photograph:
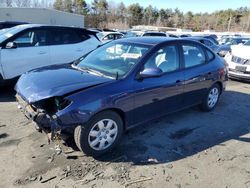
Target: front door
[
  {"x": 157, "y": 96},
  {"x": 30, "y": 51}
]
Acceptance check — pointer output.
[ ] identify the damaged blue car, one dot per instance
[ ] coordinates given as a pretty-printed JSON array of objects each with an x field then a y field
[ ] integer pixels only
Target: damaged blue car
[{"x": 120, "y": 85}]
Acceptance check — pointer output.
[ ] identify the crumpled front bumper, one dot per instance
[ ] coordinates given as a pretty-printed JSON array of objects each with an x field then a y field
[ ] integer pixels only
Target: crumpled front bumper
[{"x": 43, "y": 121}]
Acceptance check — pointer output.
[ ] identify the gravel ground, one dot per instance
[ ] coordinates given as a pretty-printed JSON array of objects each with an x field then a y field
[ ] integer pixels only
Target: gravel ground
[{"x": 186, "y": 149}]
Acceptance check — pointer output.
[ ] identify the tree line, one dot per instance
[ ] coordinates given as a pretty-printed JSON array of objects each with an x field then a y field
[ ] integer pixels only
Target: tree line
[{"x": 108, "y": 14}]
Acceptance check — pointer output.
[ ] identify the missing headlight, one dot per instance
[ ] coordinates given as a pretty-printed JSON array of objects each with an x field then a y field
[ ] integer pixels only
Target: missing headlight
[{"x": 61, "y": 103}]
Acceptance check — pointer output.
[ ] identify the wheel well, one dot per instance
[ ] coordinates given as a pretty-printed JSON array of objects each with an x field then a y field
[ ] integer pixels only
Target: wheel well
[
  {"x": 119, "y": 112},
  {"x": 220, "y": 85}
]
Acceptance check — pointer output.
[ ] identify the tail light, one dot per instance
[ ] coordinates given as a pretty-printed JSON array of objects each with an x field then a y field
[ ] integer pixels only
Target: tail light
[{"x": 221, "y": 72}]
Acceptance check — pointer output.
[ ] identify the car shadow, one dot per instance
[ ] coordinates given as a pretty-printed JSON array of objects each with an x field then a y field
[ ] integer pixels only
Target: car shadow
[
  {"x": 7, "y": 93},
  {"x": 185, "y": 133}
]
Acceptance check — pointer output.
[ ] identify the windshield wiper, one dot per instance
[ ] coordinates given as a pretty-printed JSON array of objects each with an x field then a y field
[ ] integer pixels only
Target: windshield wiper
[
  {"x": 93, "y": 71},
  {"x": 89, "y": 70}
]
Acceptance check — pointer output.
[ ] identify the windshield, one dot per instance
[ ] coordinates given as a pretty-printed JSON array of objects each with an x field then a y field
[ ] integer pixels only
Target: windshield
[
  {"x": 247, "y": 43},
  {"x": 234, "y": 41},
  {"x": 130, "y": 34},
  {"x": 4, "y": 30},
  {"x": 6, "y": 33},
  {"x": 114, "y": 59}
]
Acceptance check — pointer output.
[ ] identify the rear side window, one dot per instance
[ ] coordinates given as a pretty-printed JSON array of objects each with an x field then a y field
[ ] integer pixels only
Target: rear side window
[
  {"x": 118, "y": 36},
  {"x": 83, "y": 35},
  {"x": 110, "y": 37},
  {"x": 64, "y": 36},
  {"x": 193, "y": 55}
]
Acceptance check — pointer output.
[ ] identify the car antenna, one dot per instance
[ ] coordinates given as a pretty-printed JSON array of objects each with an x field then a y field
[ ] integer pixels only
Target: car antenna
[{"x": 117, "y": 76}]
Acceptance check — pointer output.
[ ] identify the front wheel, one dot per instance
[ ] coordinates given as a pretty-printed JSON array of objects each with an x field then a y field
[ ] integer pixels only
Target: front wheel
[
  {"x": 100, "y": 135},
  {"x": 211, "y": 99}
]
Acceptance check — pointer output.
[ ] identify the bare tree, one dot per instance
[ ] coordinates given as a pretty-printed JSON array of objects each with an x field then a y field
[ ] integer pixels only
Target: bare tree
[
  {"x": 8, "y": 3},
  {"x": 23, "y": 3}
]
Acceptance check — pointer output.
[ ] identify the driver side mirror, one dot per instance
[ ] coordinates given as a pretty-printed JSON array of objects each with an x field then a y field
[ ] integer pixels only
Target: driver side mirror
[
  {"x": 150, "y": 73},
  {"x": 11, "y": 45}
]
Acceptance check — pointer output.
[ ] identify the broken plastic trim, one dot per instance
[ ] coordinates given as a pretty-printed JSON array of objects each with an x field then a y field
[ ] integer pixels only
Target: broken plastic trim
[
  {"x": 55, "y": 130},
  {"x": 61, "y": 103}
]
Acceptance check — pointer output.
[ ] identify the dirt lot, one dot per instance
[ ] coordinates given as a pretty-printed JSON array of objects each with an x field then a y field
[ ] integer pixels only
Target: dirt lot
[{"x": 186, "y": 149}]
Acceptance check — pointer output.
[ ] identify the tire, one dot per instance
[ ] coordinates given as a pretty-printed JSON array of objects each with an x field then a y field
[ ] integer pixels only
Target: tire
[
  {"x": 100, "y": 134},
  {"x": 208, "y": 104}
]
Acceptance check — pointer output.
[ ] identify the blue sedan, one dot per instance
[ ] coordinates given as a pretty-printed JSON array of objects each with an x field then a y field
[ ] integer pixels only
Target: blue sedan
[{"x": 119, "y": 85}]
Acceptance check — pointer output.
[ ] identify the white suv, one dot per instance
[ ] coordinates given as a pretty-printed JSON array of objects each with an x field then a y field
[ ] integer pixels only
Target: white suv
[
  {"x": 238, "y": 61},
  {"x": 31, "y": 46}
]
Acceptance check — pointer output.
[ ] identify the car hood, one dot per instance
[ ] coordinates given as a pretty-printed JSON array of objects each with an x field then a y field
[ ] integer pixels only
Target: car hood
[
  {"x": 53, "y": 81},
  {"x": 241, "y": 51}
]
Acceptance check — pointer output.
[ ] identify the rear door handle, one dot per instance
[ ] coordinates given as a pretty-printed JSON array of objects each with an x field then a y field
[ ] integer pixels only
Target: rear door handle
[
  {"x": 42, "y": 52},
  {"x": 178, "y": 82}
]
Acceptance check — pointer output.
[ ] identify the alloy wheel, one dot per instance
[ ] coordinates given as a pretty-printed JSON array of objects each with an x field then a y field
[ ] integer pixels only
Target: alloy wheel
[{"x": 213, "y": 97}]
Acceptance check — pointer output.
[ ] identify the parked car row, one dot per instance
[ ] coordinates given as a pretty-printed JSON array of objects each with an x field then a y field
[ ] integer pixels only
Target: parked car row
[{"x": 220, "y": 46}]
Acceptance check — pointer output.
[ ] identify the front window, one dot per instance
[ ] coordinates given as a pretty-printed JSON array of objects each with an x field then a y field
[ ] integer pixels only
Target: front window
[
  {"x": 31, "y": 38},
  {"x": 113, "y": 59}
]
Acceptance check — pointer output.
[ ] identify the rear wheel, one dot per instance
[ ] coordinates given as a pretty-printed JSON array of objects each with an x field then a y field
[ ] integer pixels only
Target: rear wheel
[
  {"x": 211, "y": 99},
  {"x": 100, "y": 135}
]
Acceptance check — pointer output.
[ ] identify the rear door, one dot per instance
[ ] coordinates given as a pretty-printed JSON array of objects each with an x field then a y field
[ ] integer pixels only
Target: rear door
[
  {"x": 157, "y": 96},
  {"x": 69, "y": 44},
  {"x": 198, "y": 73},
  {"x": 31, "y": 52}
]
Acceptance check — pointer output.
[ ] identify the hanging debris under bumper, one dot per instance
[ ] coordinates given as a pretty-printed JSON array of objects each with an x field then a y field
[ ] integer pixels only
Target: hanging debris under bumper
[{"x": 42, "y": 120}]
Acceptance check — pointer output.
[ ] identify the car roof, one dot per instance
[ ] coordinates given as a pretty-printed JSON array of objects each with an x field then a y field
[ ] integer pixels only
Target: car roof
[
  {"x": 110, "y": 32},
  {"x": 197, "y": 38},
  {"x": 154, "y": 32},
  {"x": 12, "y": 22},
  {"x": 148, "y": 40},
  {"x": 26, "y": 26}
]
